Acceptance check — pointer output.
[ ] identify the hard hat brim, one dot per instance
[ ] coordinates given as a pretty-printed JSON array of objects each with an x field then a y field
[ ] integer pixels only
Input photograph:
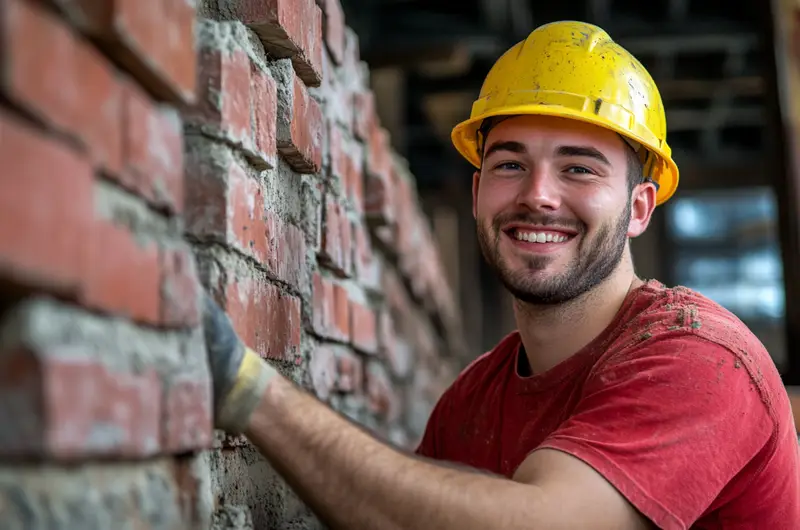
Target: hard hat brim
[{"x": 464, "y": 138}]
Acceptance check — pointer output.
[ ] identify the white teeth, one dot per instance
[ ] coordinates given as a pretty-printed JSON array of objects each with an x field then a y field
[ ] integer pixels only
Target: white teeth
[{"x": 539, "y": 237}]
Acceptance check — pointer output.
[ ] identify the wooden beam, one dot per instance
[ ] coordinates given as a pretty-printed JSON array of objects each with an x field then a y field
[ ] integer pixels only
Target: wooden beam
[
  {"x": 690, "y": 43},
  {"x": 691, "y": 120},
  {"x": 782, "y": 27},
  {"x": 683, "y": 89},
  {"x": 739, "y": 172}
]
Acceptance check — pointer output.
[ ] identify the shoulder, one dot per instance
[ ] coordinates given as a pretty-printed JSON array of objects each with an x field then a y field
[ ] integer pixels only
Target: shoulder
[
  {"x": 679, "y": 334},
  {"x": 659, "y": 313}
]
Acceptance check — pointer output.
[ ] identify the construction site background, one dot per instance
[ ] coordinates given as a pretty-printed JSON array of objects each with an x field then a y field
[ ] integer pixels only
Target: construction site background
[{"x": 292, "y": 157}]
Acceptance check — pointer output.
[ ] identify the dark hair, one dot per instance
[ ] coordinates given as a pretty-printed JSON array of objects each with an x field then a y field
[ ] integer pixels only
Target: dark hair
[{"x": 635, "y": 168}]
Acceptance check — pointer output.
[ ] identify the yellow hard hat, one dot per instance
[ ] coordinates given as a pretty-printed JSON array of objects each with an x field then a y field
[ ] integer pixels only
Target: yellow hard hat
[{"x": 574, "y": 70}]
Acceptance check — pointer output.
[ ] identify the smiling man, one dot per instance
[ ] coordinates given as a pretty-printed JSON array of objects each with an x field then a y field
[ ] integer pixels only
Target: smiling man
[{"x": 618, "y": 403}]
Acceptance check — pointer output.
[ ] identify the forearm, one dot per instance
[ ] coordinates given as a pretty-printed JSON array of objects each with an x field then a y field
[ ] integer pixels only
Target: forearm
[{"x": 353, "y": 481}]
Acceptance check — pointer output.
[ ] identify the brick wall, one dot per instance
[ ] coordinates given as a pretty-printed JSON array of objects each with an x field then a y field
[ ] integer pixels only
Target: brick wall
[{"x": 151, "y": 147}]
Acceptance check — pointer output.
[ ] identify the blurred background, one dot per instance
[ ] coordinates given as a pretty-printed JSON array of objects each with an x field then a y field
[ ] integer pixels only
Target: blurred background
[{"x": 726, "y": 72}]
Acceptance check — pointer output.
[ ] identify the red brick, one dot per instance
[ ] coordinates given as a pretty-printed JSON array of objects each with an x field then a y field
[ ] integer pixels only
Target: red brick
[
  {"x": 153, "y": 39},
  {"x": 32, "y": 36},
  {"x": 287, "y": 251},
  {"x": 322, "y": 368},
  {"x": 338, "y": 156},
  {"x": 336, "y": 251},
  {"x": 46, "y": 209},
  {"x": 187, "y": 415},
  {"x": 227, "y": 204},
  {"x": 224, "y": 93},
  {"x": 124, "y": 275},
  {"x": 364, "y": 115},
  {"x": 301, "y": 144},
  {"x": 77, "y": 94},
  {"x": 267, "y": 319},
  {"x": 66, "y": 402},
  {"x": 382, "y": 399},
  {"x": 363, "y": 328},
  {"x": 322, "y": 305},
  {"x": 264, "y": 96},
  {"x": 355, "y": 179},
  {"x": 346, "y": 167},
  {"x": 378, "y": 195},
  {"x": 287, "y": 28},
  {"x": 379, "y": 192},
  {"x": 330, "y": 312},
  {"x": 153, "y": 151},
  {"x": 98, "y": 108},
  {"x": 379, "y": 161},
  {"x": 333, "y": 25},
  {"x": 245, "y": 213},
  {"x": 180, "y": 288},
  {"x": 350, "y": 371},
  {"x": 362, "y": 251},
  {"x": 341, "y": 313},
  {"x": 206, "y": 212}
]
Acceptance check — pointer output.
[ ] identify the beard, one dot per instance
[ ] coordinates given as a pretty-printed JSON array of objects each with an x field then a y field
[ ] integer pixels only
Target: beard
[{"x": 595, "y": 260}]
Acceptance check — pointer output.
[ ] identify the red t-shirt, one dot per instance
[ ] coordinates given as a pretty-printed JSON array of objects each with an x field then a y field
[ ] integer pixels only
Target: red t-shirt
[{"x": 676, "y": 403}]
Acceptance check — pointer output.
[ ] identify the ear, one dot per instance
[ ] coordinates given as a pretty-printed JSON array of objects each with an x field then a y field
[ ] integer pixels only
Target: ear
[
  {"x": 643, "y": 202},
  {"x": 476, "y": 177}
]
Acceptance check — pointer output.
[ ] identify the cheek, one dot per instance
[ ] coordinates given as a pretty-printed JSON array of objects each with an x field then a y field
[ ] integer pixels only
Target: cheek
[
  {"x": 596, "y": 207},
  {"x": 493, "y": 197}
]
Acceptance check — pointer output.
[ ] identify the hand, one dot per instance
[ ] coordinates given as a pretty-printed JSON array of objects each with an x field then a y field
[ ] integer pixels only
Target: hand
[{"x": 239, "y": 375}]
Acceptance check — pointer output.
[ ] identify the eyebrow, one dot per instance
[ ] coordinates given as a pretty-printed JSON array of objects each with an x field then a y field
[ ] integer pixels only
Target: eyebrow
[
  {"x": 564, "y": 150},
  {"x": 585, "y": 151},
  {"x": 512, "y": 146}
]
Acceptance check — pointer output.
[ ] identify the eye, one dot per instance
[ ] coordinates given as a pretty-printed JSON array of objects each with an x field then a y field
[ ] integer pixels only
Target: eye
[
  {"x": 579, "y": 170},
  {"x": 508, "y": 166}
]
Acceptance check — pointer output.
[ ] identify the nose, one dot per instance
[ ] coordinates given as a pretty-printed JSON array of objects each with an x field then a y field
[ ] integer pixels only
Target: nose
[{"x": 540, "y": 190}]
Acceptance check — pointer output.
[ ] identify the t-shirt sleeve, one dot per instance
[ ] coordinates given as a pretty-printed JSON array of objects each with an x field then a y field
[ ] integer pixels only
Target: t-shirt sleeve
[{"x": 669, "y": 426}]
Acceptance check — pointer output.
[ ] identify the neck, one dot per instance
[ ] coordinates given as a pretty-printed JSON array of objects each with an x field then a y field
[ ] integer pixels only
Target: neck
[{"x": 551, "y": 334}]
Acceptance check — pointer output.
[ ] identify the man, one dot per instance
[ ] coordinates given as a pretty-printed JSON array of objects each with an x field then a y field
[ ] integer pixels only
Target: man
[{"x": 618, "y": 403}]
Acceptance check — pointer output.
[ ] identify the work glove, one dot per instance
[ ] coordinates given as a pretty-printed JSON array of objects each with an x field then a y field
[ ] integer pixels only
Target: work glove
[{"x": 239, "y": 374}]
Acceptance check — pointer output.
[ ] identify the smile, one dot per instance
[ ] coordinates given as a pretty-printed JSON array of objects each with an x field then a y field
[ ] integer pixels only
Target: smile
[
  {"x": 539, "y": 237},
  {"x": 548, "y": 237}
]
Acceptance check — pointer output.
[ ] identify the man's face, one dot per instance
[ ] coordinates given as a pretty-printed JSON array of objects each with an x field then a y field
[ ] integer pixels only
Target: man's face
[{"x": 553, "y": 207}]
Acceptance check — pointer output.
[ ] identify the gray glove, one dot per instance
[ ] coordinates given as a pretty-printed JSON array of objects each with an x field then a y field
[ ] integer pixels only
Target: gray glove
[{"x": 239, "y": 375}]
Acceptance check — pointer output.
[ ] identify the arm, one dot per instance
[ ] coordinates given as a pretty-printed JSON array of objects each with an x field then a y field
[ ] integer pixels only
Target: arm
[{"x": 353, "y": 481}]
